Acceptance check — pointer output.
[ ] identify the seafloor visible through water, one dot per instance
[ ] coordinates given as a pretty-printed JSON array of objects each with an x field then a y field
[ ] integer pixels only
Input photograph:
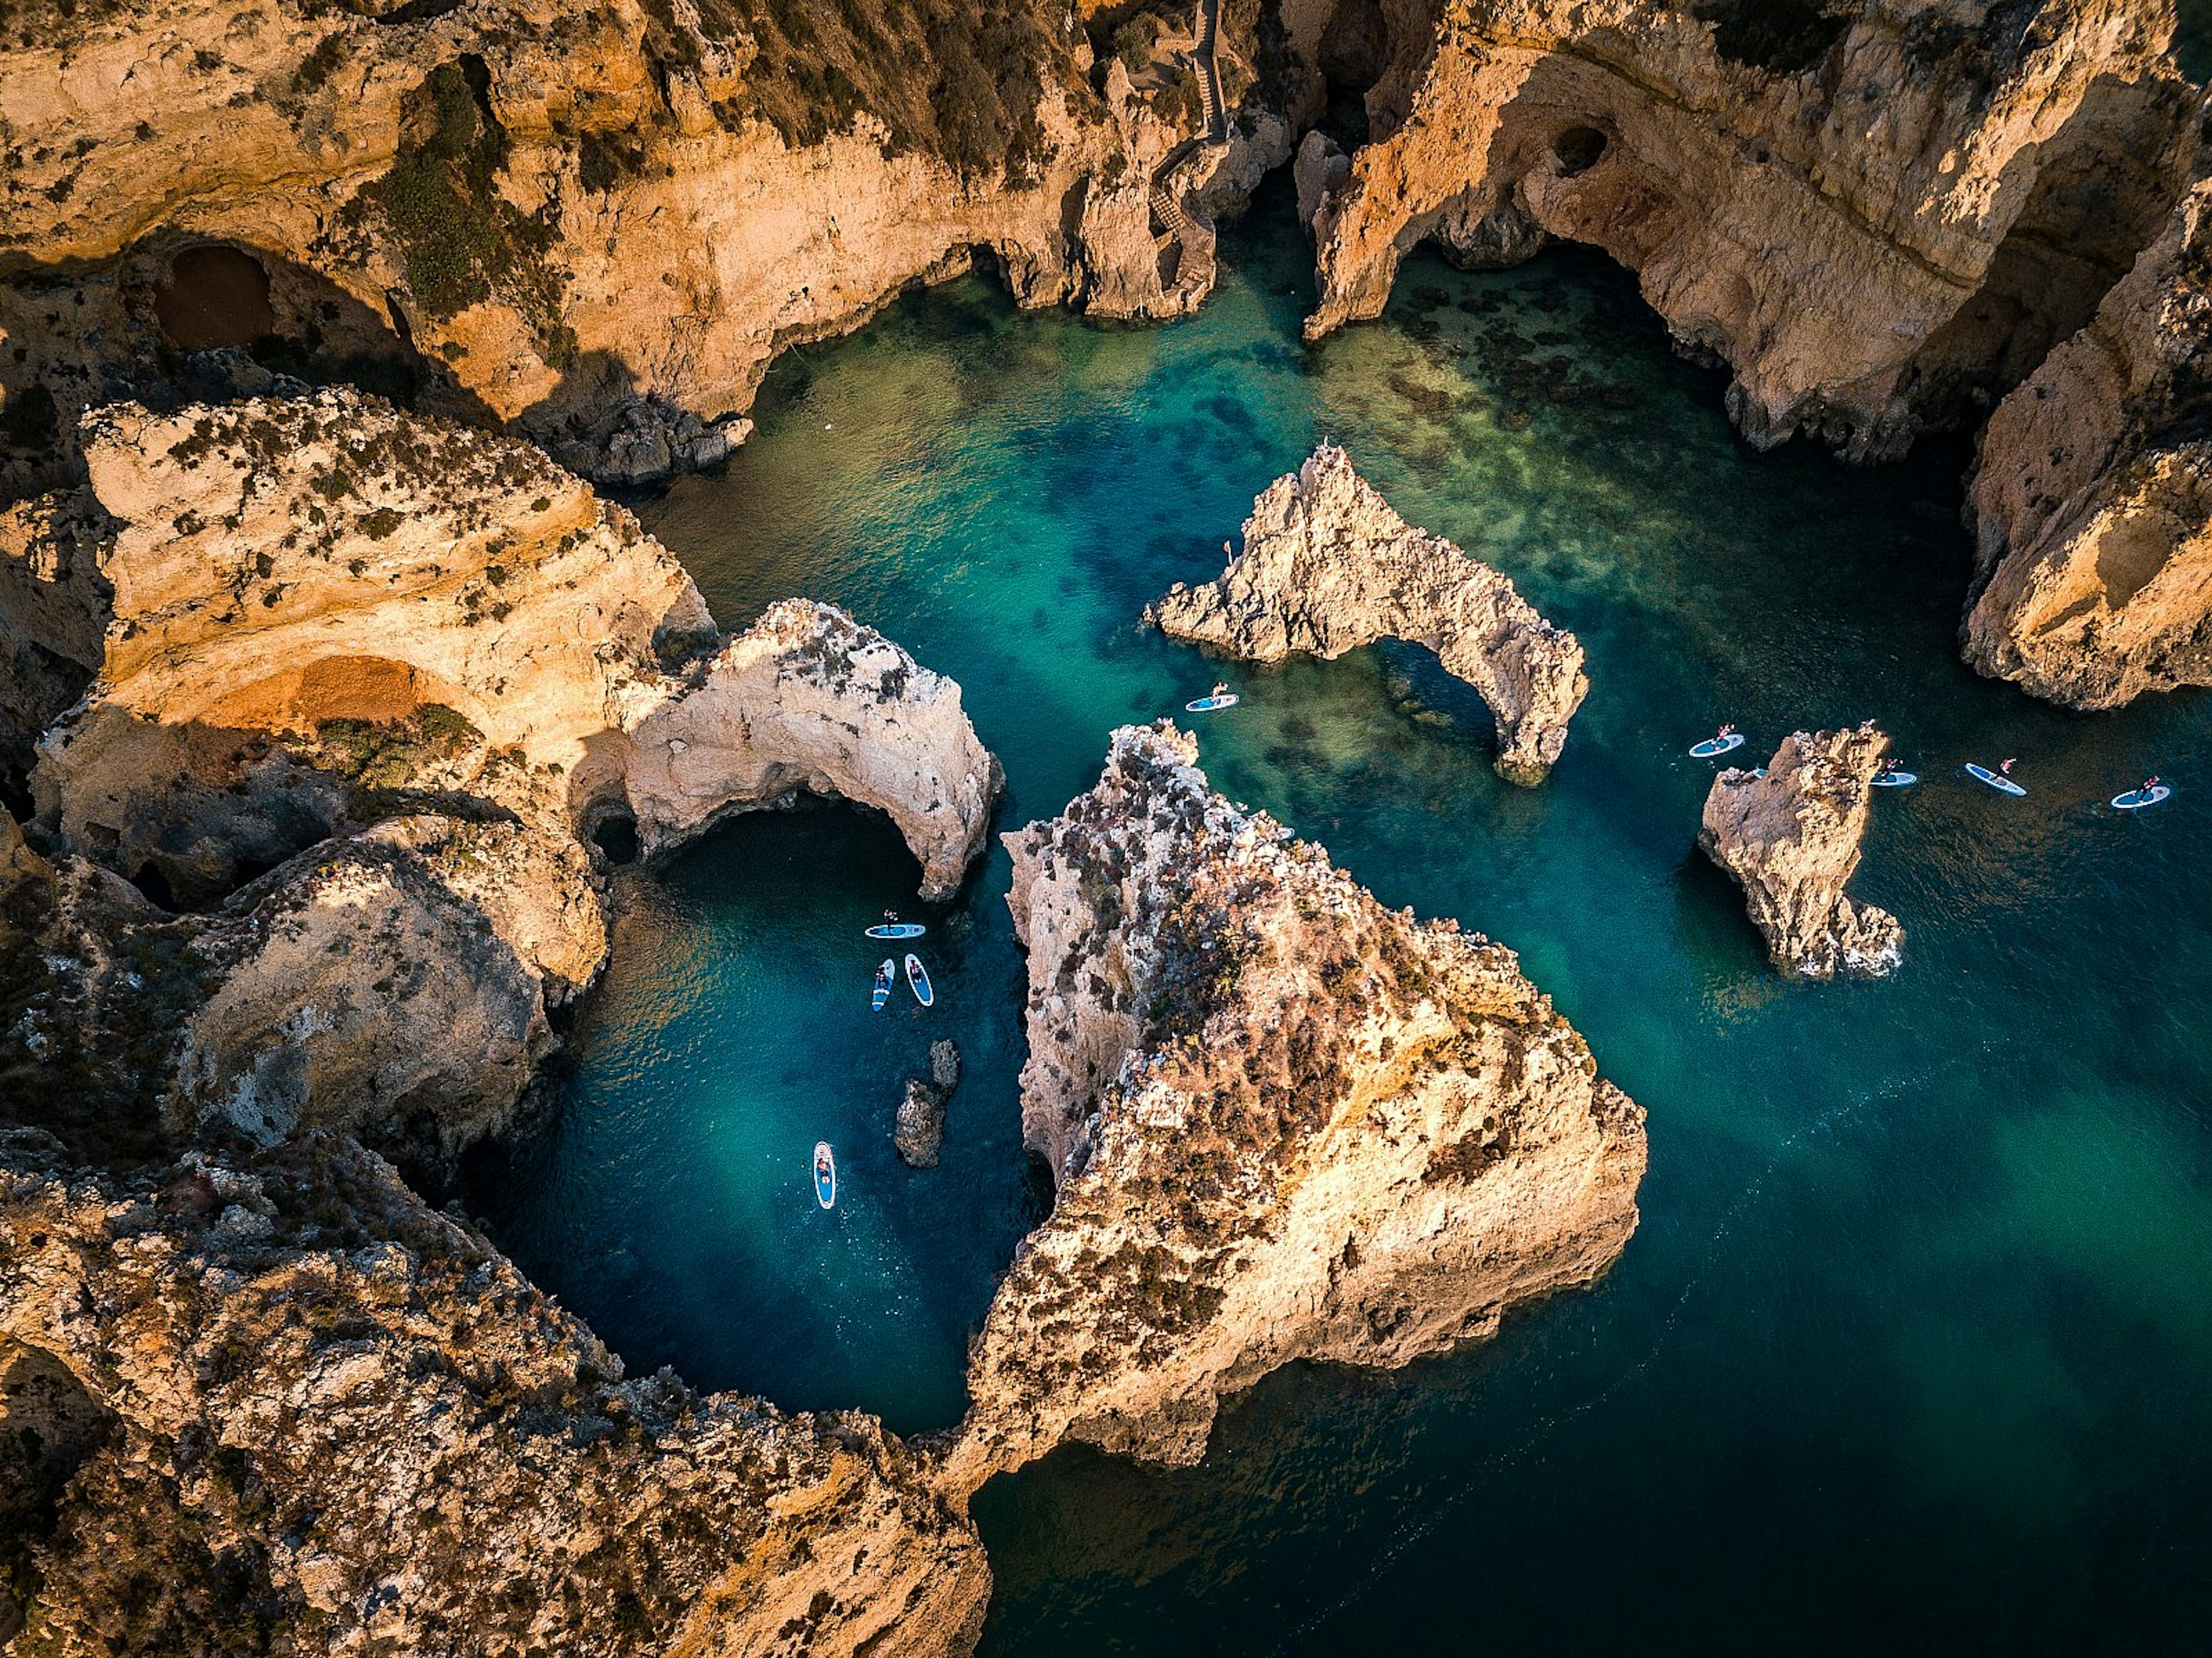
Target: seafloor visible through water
[{"x": 1912, "y": 1347}]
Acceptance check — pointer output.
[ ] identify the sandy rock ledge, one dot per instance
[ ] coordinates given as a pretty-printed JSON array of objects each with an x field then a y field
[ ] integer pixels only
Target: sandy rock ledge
[{"x": 1328, "y": 566}]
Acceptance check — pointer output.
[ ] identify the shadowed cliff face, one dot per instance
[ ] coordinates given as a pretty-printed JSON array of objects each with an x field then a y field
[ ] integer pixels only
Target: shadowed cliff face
[{"x": 1875, "y": 215}]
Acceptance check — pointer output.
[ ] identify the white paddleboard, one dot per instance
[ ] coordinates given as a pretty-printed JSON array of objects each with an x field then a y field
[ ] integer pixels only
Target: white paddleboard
[
  {"x": 897, "y": 930},
  {"x": 825, "y": 1174},
  {"x": 2001, "y": 784},
  {"x": 1211, "y": 704},
  {"x": 918, "y": 976},
  {"x": 1896, "y": 780},
  {"x": 1713, "y": 745},
  {"x": 2136, "y": 799},
  {"x": 886, "y": 976}
]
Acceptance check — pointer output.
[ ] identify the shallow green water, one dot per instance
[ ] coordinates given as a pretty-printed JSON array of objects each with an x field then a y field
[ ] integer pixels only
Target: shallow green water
[{"x": 1910, "y": 1346}]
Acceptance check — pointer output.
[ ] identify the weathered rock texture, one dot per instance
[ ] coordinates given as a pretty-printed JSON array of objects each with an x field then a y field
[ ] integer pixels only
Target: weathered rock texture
[
  {"x": 407, "y": 665},
  {"x": 303, "y": 1413},
  {"x": 2092, "y": 500},
  {"x": 1791, "y": 838},
  {"x": 1285, "y": 1123},
  {"x": 1328, "y": 566},
  {"x": 1874, "y": 212},
  {"x": 599, "y": 221},
  {"x": 919, "y": 1130}
]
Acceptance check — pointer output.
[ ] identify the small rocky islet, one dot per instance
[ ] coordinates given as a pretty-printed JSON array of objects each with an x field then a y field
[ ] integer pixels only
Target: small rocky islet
[{"x": 320, "y": 713}]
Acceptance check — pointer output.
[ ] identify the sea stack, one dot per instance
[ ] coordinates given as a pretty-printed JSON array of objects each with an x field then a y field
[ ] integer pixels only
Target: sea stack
[
  {"x": 1791, "y": 839},
  {"x": 1285, "y": 1123},
  {"x": 1328, "y": 566},
  {"x": 919, "y": 1129}
]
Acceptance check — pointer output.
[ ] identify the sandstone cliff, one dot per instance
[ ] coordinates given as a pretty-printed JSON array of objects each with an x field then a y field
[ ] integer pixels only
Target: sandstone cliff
[
  {"x": 1874, "y": 212},
  {"x": 307, "y": 1414},
  {"x": 599, "y": 221},
  {"x": 1328, "y": 566},
  {"x": 1791, "y": 838},
  {"x": 2091, "y": 504},
  {"x": 1285, "y": 1123},
  {"x": 405, "y": 667}
]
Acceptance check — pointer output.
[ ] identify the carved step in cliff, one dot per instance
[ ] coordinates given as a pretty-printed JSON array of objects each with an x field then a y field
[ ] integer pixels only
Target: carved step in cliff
[
  {"x": 1285, "y": 1123},
  {"x": 336, "y": 1420},
  {"x": 1791, "y": 839},
  {"x": 2092, "y": 501},
  {"x": 1328, "y": 567}
]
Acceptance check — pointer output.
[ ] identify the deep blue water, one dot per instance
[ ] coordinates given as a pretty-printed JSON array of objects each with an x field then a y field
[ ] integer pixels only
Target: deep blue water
[{"x": 1910, "y": 1349}]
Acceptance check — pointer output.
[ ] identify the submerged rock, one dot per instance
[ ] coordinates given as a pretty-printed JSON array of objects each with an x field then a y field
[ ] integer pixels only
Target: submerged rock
[
  {"x": 919, "y": 1129},
  {"x": 302, "y": 1403},
  {"x": 1328, "y": 566},
  {"x": 1791, "y": 839},
  {"x": 1284, "y": 1122}
]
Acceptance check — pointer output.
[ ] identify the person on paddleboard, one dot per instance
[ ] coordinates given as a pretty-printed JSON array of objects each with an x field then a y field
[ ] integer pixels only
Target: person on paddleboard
[
  {"x": 1220, "y": 689},
  {"x": 2005, "y": 767},
  {"x": 822, "y": 1166},
  {"x": 2148, "y": 784},
  {"x": 890, "y": 918}
]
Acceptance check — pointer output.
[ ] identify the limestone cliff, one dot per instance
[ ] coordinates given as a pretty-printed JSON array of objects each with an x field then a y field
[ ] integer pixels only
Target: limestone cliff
[
  {"x": 1285, "y": 1123},
  {"x": 2091, "y": 507},
  {"x": 1874, "y": 211},
  {"x": 1328, "y": 566},
  {"x": 321, "y": 612},
  {"x": 307, "y": 1414},
  {"x": 1791, "y": 838},
  {"x": 600, "y": 222}
]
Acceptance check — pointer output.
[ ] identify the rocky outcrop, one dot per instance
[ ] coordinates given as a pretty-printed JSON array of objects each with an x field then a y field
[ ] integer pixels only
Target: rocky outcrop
[
  {"x": 919, "y": 1129},
  {"x": 1328, "y": 566},
  {"x": 1876, "y": 213},
  {"x": 2092, "y": 509},
  {"x": 808, "y": 698},
  {"x": 1285, "y": 1123},
  {"x": 323, "y": 611},
  {"x": 597, "y": 222},
  {"x": 309, "y": 1415},
  {"x": 406, "y": 666},
  {"x": 1791, "y": 839}
]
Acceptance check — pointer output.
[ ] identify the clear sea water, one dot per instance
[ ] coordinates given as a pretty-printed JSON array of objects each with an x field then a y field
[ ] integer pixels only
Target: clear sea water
[{"x": 1910, "y": 1351}]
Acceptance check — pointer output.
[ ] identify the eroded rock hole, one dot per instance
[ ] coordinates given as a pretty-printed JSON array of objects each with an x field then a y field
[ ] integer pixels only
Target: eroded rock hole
[
  {"x": 214, "y": 295},
  {"x": 1577, "y": 151},
  {"x": 615, "y": 834}
]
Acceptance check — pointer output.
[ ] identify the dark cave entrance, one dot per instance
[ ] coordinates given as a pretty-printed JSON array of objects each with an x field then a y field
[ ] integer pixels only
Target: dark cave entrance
[
  {"x": 214, "y": 295},
  {"x": 614, "y": 832},
  {"x": 1577, "y": 151},
  {"x": 1355, "y": 51}
]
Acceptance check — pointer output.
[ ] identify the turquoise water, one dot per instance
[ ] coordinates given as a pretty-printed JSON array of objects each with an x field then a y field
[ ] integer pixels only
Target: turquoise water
[{"x": 1910, "y": 1348}]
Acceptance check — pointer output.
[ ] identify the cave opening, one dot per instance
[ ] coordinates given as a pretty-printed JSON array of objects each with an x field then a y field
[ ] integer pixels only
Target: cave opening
[
  {"x": 1354, "y": 51},
  {"x": 1577, "y": 150},
  {"x": 153, "y": 886},
  {"x": 214, "y": 295},
  {"x": 614, "y": 832}
]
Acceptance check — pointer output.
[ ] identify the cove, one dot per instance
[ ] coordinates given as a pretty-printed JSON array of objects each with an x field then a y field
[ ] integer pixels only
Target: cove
[{"x": 1909, "y": 1348}]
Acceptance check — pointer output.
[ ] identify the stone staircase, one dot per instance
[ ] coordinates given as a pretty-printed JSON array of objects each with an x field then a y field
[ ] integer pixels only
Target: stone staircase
[{"x": 1166, "y": 196}]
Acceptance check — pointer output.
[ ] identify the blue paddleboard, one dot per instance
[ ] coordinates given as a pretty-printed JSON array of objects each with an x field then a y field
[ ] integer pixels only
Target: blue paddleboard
[
  {"x": 1896, "y": 780},
  {"x": 825, "y": 1174},
  {"x": 918, "y": 976},
  {"x": 897, "y": 930},
  {"x": 2001, "y": 784},
  {"x": 886, "y": 976},
  {"x": 1713, "y": 745},
  {"x": 1211, "y": 704},
  {"x": 2136, "y": 799}
]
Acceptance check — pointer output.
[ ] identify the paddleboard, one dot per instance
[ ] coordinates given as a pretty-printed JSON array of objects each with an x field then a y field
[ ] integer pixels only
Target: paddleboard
[
  {"x": 825, "y": 1174},
  {"x": 2136, "y": 799},
  {"x": 1211, "y": 704},
  {"x": 1713, "y": 745},
  {"x": 897, "y": 930},
  {"x": 918, "y": 976},
  {"x": 1896, "y": 780},
  {"x": 886, "y": 976},
  {"x": 2001, "y": 784}
]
